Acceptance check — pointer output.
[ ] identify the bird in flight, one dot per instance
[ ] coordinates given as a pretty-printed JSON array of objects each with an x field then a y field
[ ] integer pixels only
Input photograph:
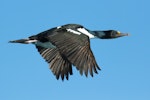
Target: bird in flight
[{"x": 69, "y": 45}]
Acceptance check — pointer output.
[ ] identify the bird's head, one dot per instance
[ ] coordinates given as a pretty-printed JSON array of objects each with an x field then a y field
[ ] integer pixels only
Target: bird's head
[{"x": 110, "y": 34}]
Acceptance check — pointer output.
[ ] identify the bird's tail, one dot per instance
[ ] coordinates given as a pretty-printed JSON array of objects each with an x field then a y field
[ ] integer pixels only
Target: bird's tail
[{"x": 24, "y": 41}]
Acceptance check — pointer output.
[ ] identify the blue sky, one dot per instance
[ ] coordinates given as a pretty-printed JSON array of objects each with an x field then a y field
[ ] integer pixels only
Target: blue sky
[{"x": 125, "y": 62}]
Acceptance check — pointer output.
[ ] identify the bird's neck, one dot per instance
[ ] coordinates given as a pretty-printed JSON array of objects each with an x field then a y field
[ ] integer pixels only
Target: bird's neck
[{"x": 98, "y": 34}]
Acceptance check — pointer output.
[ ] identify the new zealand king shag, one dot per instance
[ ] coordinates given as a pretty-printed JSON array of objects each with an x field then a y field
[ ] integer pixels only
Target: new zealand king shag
[{"x": 69, "y": 45}]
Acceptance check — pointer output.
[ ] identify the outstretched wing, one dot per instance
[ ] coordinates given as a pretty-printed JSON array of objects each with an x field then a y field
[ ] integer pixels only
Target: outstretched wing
[
  {"x": 58, "y": 64},
  {"x": 76, "y": 48}
]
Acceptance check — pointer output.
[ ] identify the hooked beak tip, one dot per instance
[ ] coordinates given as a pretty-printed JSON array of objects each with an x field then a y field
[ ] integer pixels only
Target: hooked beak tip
[{"x": 126, "y": 34}]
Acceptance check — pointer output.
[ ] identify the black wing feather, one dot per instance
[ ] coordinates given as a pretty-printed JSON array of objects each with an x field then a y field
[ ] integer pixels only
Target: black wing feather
[
  {"x": 58, "y": 64},
  {"x": 76, "y": 48}
]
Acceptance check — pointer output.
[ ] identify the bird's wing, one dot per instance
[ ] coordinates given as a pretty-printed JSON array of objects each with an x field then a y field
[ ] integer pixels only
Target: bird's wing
[
  {"x": 58, "y": 64},
  {"x": 76, "y": 48}
]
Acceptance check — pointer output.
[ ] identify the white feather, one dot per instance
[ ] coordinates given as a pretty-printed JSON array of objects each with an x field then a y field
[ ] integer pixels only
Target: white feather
[
  {"x": 73, "y": 31},
  {"x": 31, "y": 41},
  {"x": 59, "y": 27},
  {"x": 84, "y": 31}
]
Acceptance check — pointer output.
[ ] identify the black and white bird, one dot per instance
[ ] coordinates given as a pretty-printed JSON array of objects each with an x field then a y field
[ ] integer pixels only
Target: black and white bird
[{"x": 69, "y": 45}]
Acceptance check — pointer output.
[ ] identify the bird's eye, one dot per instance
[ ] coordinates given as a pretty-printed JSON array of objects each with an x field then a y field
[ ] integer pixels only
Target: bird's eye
[{"x": 118, "y": 32}]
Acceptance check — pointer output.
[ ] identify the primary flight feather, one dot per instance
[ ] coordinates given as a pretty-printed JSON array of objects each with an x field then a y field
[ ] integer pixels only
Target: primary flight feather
[{"x": 69, "y": 45}]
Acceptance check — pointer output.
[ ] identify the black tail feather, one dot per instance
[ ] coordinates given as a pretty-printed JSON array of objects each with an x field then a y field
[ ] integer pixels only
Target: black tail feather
[{"x": 23, "y": 41}]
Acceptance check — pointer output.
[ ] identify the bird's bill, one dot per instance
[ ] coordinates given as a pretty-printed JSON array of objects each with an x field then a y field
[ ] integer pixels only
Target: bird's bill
[{"x": 123, "y": 34}]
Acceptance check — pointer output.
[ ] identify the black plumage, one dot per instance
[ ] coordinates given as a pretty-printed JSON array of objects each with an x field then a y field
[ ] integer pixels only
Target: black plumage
[{"x": 68, "y": 45}]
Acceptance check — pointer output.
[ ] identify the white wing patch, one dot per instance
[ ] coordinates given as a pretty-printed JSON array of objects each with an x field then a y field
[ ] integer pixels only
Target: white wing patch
[
  {"x": 59, "y": 27},
  {"x": 81, "y": 30},
  {"x": 73, "y": 31},
  {"x": 31, "y": 41},
  {"x": 84, "y": 31}
]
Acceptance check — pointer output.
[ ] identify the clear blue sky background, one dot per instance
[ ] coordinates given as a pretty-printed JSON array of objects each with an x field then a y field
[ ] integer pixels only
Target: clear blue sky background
[{"x": 125, "y": 62}]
